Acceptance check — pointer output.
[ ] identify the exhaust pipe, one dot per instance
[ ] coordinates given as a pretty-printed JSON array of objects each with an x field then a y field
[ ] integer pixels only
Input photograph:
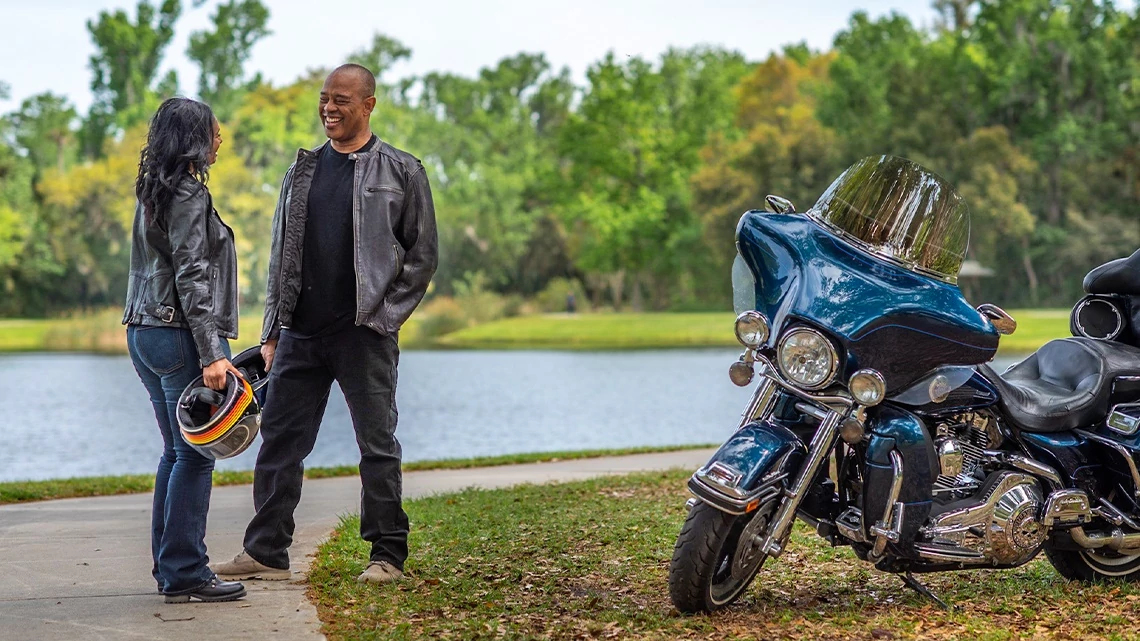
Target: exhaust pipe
[{"x": 1115, "y": 540}]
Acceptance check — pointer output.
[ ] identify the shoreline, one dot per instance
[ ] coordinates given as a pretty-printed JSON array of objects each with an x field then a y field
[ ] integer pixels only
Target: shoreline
[
  {"x": 101, "y": 333},
  {"x": 90, "y": 486}
]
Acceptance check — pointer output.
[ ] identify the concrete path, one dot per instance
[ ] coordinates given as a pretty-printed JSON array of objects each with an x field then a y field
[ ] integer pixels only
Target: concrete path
[{"x": 79, "y": 569}]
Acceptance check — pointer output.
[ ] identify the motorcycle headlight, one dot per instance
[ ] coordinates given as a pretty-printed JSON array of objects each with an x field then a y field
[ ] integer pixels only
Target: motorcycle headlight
[
  {"x": 752, "y": 329},
  {"x": 807, "y": 358}
]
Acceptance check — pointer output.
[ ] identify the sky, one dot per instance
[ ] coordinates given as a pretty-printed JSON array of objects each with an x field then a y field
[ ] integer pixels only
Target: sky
[{"x": 46, "y": 47}]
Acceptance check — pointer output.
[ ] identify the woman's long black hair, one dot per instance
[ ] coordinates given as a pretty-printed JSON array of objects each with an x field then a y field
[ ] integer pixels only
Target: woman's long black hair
[{"x": 181, "y": 137}]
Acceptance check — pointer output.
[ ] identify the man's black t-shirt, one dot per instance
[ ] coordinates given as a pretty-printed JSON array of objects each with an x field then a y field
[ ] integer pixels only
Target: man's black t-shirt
[{"x": 328, "y": 275}]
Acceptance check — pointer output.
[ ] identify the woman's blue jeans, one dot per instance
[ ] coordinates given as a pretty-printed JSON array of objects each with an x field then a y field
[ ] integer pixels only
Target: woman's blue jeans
[{"x": 167, "y": 361}]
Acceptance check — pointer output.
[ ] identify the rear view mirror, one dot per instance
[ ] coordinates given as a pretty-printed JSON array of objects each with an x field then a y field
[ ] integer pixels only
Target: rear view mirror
[
  {"x": 1002, "y": 321},
  {"x": 779, "y": 205}
]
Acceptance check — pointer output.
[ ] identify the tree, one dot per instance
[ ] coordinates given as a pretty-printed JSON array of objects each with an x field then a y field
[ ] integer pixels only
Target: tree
[
  {"x": 379, "y": 57},
  {"x": 783, "y": 150},
  {"x": 44, "y": 127},
  {"x": 632, "y": 145},
  {"x": 125, "y": 63},
  {"x": 221, "y": 53},
  {"x": 491, "y": 140},
  {"x": 88, "y": 212}
]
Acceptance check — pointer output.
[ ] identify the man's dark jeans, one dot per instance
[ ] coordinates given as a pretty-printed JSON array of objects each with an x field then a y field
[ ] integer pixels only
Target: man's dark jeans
[
  {"x": 364, "y": 363},
  {"x": 167, "y": 361}
]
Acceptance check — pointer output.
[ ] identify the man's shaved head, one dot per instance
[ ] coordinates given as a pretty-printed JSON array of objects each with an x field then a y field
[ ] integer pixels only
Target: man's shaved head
[
  {"x": 362, "y": 74},
  {"x": 347, "y": 101}
]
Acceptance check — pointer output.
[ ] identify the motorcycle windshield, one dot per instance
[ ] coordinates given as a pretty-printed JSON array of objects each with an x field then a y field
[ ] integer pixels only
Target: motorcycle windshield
[{"x": 899, "y": 211}]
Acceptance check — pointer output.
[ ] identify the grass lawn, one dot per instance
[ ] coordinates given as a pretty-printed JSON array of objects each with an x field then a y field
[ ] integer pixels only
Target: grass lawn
[
  {"x": 102, "y": 332},
  {"x": 23, "y": 491},
  {"x": 709, "y": 329},
  {"x": 598, "y": 331},
  {"x": 589, "y": 560},
  {"x": 99, "y": 332}
]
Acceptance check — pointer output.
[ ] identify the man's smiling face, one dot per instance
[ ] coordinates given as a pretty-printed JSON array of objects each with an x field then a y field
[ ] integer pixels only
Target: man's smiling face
[{"x": 344, "y": 109}]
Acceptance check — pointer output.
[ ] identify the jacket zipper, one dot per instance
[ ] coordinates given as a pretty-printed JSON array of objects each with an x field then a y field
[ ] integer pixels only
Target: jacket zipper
[{"x": 356, "y": 230}]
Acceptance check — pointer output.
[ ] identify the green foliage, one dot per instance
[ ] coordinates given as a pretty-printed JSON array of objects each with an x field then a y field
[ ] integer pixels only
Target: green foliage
[
  {"x": 442, "y": 316},
  {"x": 632, "y": 184},
  {"x": 632, "y": 144},
  {"x": 1029, "y": 107},
  {"x": 381, "y": 55},
  {"x": 44, "y": 126},
  {"x": 221, "y": 53},
  {"x": 553, "y": 297},
  {"x": 126, "y": 59}
]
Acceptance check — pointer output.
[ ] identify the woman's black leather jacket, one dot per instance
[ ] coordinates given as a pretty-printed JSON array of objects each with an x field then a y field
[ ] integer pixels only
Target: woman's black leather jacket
[{"x": 184, "y": 271}]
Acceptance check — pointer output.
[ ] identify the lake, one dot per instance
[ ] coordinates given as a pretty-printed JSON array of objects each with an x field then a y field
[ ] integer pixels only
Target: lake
[{"x": 67, "y": 415}]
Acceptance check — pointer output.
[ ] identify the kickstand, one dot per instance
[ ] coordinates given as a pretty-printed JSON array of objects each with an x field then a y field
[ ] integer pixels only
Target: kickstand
[{"x": 913, "y": 584}]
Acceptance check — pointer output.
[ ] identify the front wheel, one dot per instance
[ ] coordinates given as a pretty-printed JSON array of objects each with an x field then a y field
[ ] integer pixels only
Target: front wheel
[
  {"x": 716, "y": 557},
  {"x": 1095, "y": 566}
]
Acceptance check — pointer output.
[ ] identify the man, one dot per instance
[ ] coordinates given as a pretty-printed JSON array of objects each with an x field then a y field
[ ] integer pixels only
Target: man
[{"x": 354, "y": 247}]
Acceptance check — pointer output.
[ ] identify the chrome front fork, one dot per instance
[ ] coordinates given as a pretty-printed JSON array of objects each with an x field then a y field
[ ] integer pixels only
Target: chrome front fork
[
  {"x": 762, "y": 400},
  {"x": 822, "y": 443},
  {"x": 818, "y": 451}
]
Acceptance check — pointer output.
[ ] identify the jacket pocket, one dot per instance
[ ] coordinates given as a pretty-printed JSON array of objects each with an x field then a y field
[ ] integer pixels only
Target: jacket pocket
[
  {"x": 398, "y": 261},
  {"x": 394, "y": 190},
  {"x": 217, "y": 296}
]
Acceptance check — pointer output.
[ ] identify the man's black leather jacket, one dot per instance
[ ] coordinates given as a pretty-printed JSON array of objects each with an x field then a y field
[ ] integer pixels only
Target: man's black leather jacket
[
  {"x": 395, "y": 246},
  {"x": 184, "y": 271}
]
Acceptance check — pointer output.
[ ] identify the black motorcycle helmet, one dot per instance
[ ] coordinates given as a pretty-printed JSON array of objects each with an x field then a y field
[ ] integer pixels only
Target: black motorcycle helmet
[
  {"x": 219, "y": 424},
  {"x": 251, "y": 364}
]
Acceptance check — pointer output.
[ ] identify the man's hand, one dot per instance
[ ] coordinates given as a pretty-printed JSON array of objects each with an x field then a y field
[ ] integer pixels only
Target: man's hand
[
  {"x": 214, "y": 374},
  {"x": 268, "y": 349}
]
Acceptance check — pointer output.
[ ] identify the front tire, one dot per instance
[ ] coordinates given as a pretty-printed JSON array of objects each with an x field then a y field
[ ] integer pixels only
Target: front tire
[{"x": 708, "y": 571}]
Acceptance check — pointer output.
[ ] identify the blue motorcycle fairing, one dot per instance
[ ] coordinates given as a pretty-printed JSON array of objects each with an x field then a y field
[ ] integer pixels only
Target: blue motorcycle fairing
[
  {"x": 899, "y": 322},
  {"x": 893, "y": 428},
  {"x": 759, "y": 451}
]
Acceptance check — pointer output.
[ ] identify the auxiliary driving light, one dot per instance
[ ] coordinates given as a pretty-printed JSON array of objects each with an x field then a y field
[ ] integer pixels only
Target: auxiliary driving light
[
  {"x": 868, "y": 387},
  {"x": 752, "y": 329}
]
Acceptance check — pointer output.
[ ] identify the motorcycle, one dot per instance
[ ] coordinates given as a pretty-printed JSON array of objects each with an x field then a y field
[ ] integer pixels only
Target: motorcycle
[{"x": 876, "y": 420}]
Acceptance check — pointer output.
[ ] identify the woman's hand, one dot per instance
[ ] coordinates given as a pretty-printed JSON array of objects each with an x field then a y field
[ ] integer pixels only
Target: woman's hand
[{"x": 214, "y": 374}]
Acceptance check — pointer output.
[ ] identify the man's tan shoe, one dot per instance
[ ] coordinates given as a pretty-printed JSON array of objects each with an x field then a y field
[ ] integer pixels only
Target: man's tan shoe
[
  {"x": 245, "y": 567},
  {"x": 380, "y": 572}
]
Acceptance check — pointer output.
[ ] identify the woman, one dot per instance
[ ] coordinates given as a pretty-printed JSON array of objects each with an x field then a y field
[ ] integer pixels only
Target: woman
[{"x": 181, "y": 309}]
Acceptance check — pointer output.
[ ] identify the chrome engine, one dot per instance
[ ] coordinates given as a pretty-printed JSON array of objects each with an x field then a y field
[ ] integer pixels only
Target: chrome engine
[
  {"x": 998, "y": 525},
  {"x": 984, "y": 519},
  {"x": 959, "y": 444}
]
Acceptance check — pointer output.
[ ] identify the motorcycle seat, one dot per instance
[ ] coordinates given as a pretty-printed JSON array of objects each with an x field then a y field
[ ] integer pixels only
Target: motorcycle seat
[
  {"x": 1120, "y": 276},
  {"x": 1064, "y": 385}
]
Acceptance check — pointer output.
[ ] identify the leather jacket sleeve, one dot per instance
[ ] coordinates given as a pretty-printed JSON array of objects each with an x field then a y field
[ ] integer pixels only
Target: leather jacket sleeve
[
  {"x": 189, "y": 250},
  {"x": 417, "y": 234},
  {"x": 270, "y": 325}
]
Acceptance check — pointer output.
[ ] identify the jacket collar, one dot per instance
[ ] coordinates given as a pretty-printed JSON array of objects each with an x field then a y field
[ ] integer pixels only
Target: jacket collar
[{"x": 371, "y": 147}]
